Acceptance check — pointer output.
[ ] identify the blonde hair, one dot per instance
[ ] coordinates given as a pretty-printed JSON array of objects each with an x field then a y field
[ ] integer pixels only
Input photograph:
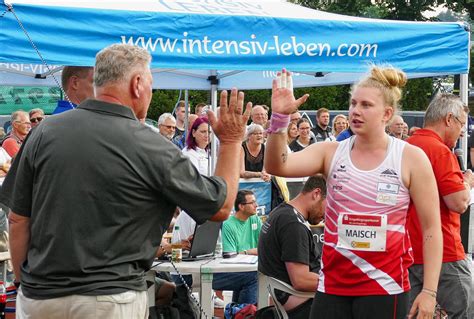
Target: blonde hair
[
  {"x": 388, "y": 80},
  {"x": 288, "y": 138},
  {"x": 334, "y": 123}
]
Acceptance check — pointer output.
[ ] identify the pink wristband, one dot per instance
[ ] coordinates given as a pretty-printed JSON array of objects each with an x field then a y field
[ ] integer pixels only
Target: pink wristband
[{"x": 278, "y": 123}]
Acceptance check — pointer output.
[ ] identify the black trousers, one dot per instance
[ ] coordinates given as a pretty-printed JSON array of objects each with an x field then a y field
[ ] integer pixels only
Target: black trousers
[{"x": 327, "y": 306}]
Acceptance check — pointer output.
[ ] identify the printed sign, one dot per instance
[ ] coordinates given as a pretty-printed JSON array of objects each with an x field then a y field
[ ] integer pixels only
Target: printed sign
[{"x": 362, "y": 232}]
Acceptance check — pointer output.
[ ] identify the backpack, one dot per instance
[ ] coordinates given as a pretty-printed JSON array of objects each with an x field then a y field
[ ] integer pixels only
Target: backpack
[{"x": 235, "y": 310}]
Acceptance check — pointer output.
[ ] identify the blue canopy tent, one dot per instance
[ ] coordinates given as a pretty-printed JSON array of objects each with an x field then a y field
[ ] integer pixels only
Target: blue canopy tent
[
  {"x": 218, "y": 44},
  {"x": 195, "y": 44}
]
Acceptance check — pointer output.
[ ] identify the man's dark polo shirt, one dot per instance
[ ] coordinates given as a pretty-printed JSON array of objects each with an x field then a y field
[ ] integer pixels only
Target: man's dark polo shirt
[
  {"x": 100, "y": 189},
  {"x": 320, "y": 134}
]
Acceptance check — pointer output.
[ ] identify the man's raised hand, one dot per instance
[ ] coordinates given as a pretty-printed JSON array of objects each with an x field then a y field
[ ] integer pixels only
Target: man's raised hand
[{"x": 231, "y": 124}]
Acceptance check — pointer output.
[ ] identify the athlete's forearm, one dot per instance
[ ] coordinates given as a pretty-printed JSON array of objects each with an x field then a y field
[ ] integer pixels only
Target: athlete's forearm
[{"x": 432, "y": 257}]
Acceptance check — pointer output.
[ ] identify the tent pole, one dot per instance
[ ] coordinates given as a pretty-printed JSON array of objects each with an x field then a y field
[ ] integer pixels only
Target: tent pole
[
  {"x": 463, "y": 94},
  {"x": 186, "y": 114},
  {"x": 213, "y": 160}
]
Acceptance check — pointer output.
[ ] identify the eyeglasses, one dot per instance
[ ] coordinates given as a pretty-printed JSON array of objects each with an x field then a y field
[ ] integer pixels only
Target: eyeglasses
[
  {"x": 304, "y": 128},
  {"x": 250, "y": 203},
  {"x": 36, "y": 119},
  {"x": 257, "y": 133},
  {"x": 463, "y": 125},
  {"x": 169, "y": 127}
]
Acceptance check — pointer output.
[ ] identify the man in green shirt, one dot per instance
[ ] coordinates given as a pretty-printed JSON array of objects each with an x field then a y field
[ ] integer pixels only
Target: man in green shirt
[{"x": 240, "y": 232}]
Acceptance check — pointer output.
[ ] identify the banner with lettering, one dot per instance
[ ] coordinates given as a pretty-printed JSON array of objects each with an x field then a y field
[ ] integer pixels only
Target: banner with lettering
[{"x": 227, "y": 35}]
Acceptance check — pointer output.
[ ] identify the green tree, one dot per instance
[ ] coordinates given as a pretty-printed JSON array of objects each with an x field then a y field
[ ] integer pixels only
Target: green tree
[
  {"x": 164, "y": 101},
  {"x": 417, "y": 94}
]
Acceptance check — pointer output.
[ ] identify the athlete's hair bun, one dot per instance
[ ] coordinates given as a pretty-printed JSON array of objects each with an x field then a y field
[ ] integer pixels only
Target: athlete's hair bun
[{"x": 388, "y": 76}]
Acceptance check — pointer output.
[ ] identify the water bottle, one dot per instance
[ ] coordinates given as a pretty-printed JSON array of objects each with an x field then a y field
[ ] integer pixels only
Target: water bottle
[
  {"x": 176, "y": 246},
  {"x": 218, "y": 251}
]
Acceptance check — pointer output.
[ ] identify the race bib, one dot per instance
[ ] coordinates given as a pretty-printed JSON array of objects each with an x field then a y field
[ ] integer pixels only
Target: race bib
[{"x": 362, "y": 232}]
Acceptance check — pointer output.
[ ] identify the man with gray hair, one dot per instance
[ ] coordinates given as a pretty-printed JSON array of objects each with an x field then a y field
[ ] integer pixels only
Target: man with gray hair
[
  {"x": 259, "y": 114},
  {"x": 167, "y": 125},
  {"x": 445, "y": 122},
  {"x": 21, "y": 126},
  {"x": 396, "y": 126},
  {"x": 88, "y": 209}
]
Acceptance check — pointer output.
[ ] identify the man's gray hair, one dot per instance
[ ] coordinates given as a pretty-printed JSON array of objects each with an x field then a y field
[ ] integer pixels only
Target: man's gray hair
[
  {"x": 441, "y": 105},
  {"x": 252, "y": 128},
  {"x": 16, "y": 115},
  {"x": 163, "y": 117},
  {"x": 115, "y": 63}
]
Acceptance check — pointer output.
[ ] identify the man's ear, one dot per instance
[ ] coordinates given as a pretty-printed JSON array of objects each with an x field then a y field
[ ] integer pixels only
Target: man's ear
[
  {"x": 316, "y": 193},
  {"x": 73, "y": 82},
  {"x": 135, "y": 86}
]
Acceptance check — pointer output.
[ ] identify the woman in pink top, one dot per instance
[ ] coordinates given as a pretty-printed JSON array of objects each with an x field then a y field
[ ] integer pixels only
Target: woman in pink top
[{"x": 371, "y": 179}]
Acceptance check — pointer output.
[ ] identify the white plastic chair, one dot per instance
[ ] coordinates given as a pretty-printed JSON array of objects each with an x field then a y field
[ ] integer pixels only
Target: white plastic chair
[{"x": 273, "y": 283}]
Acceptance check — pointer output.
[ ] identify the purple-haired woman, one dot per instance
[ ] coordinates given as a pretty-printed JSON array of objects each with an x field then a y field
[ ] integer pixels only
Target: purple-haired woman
[{"x": 197, "y": 145}]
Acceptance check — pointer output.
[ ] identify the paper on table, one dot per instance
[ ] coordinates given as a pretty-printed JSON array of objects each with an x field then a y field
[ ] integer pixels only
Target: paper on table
[{"x": 240, "y": 259}]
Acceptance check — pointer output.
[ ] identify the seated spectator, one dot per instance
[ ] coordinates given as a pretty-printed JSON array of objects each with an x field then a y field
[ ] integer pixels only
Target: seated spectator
[
  {"x": 240, "y": 232},
  {"x": 252, "y": 154},
  {"x": 304, "y": 138},
  {"x": 240, "y": 235},
  {"x": 287, "y": 249},
  {"x": 339, "y": 124},
  {"x": 21, "y": 126},
  {"x": 167, "y": 125},
  {"x": 292, "y": 132},
  {"x": 36, "y": 116},
  {"x": 197, "y": 145},
  {"x": 244, "y": 285}
]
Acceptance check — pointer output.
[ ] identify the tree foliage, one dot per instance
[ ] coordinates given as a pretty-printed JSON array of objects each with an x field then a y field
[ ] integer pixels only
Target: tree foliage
[{"x": 164, "y": 101}]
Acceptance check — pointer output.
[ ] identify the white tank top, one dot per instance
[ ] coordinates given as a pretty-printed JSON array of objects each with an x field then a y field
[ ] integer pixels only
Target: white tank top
[{"x": 367, "y": 249}]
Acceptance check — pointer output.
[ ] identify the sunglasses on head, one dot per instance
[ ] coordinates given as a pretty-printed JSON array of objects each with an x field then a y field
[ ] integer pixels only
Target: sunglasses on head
[{"x": 36, "y": 119}]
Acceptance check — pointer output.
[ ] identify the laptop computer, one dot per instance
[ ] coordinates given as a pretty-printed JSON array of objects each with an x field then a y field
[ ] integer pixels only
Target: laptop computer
[{"x": 204, "y": 241}]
